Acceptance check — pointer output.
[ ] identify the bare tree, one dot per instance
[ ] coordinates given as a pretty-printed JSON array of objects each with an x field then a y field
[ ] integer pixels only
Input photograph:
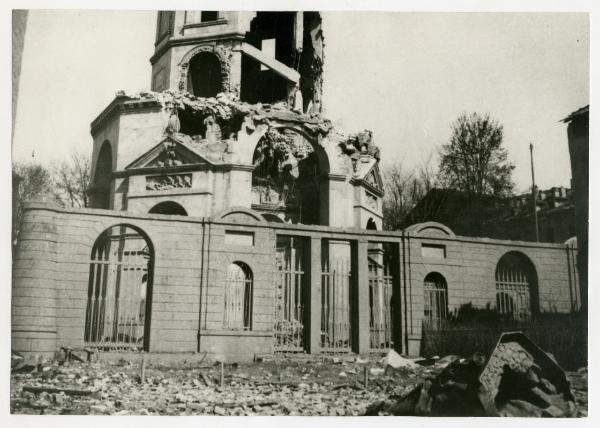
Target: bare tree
[
  {"x": 71, "y": 180},
  {"x": 65, "y": 183},
  {"x": 404, "y": 189},
  {"x": 474, "y": 160}
]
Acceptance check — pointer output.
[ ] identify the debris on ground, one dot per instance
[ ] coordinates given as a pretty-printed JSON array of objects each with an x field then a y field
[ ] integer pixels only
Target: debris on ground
[
  {"x": 292, "y": 384},
  {"x": 279, "y": 385},
  {"x": 518, "y": 379},
  {"x": 394, "y": 360}
]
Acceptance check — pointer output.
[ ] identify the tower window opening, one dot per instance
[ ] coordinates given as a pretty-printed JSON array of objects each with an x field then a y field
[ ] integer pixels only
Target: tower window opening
[
  {"x": 208, "y": 16},
  {"x": 205, "y": 79}
]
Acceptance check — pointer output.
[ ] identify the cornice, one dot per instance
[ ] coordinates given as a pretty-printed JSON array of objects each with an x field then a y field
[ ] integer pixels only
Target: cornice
[{"x": 122, "y": 104}]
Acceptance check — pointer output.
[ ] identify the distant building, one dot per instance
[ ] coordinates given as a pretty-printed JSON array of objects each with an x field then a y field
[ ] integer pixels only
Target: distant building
[
  {"x": 500, "y": 218},
  {"x": 578, "y": 134}
]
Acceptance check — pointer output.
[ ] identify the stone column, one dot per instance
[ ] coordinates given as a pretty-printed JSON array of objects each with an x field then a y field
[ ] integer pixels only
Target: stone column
[
  {"x": 313, "y": 320},
  {"x": 34, "y": 303},
  {"x": 360, "y": 293}
]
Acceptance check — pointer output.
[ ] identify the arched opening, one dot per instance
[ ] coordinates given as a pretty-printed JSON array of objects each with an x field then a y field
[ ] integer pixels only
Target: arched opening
[
  {"x": 120, "y": 290},
  {"x": 168, "y": 208},
  {"x": 516, "y": 287},
  {"x": 287, "y": 176},
  {"x": 237, "y": 299},
  {"x": 204, "y": 76},
  {"x": 100, "y": 191},
  {"x": 371, "y": 225},
  {"x": 435, "y": 299}
]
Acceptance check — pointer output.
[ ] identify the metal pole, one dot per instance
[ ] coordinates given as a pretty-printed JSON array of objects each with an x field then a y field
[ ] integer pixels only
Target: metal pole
[{"x": 534, "y": 190}]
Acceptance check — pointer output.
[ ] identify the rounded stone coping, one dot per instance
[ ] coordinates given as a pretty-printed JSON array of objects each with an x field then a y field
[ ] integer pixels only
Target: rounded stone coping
[
  {"x": 300, "y": 229},
  {"x": 423, "y": 227}
]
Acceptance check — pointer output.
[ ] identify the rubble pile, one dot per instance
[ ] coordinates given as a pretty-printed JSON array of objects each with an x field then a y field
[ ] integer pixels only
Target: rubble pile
[
  {"x": 517, "y": 380},
  {"x": 325, "y": 386}
]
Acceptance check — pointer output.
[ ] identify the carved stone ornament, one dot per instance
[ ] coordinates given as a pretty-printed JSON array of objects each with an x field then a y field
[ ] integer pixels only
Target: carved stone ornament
[
  {"x": 223, "y": 55},
  {"x": 166, "y": 182}
]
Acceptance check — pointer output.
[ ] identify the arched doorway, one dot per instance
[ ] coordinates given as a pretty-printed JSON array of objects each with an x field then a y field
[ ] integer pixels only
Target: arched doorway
[
  {"x": 516, "y": 287},
  {"x": 100, "y": 191},
  {"x": 205, "y": 78},
  {"x": 120, "y": 290},
  {"x": 168, "y": 208},
  {"x": 435, "y": 299}
]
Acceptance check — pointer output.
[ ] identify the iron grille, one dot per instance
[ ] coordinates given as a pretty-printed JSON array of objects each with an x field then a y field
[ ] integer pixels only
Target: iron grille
[
  {"x": 435, "y": 300},
  {"x": 237, "y": 314},
  {"x": 289, "y": 301},
  {"x": 380, "y": 305},
  {"x": 513, "y": 300},
  {"x": 335, "y": 308},
  {"x": 116, "y": 307}
]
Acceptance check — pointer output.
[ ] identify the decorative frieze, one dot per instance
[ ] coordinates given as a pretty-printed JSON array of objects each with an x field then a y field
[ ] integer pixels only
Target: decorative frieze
[{"x": 170, "y": 181}]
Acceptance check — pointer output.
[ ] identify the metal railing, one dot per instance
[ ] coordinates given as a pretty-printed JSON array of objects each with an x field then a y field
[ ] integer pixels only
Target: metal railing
[
  {"x": 380, "y": 308},
  {"x": 289, "y": 310},
  {"x": 513, "y": 294},
  {"x": 115, "y": 316},
  {"x": 336, "y": 326}
]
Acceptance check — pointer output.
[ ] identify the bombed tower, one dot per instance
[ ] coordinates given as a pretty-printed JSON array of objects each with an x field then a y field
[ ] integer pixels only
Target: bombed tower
[{"x": 234, "y": 121}]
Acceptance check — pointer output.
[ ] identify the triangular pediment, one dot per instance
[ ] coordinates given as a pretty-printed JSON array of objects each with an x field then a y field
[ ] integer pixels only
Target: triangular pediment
[
  {"x": 168, "y": 153},
  {"x": 373, "y": 177}
]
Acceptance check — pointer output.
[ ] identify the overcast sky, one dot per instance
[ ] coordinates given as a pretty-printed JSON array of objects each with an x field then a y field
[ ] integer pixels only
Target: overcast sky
[{"x": 406, "y": 76}]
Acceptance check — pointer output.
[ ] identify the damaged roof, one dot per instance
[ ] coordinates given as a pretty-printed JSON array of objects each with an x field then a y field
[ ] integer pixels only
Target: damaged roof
[{"x": 582, "y": 111}]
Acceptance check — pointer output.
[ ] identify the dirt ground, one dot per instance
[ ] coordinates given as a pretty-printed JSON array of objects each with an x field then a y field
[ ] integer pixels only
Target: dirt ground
[{"x": 283, "y": 385}]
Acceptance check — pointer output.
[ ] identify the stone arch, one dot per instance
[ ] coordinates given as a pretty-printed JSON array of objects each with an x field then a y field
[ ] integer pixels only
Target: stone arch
[
  {"x": 220, "y": 54},
  {"x": 100, "y": 191},
  {"x": 430, "y": 228},
  {"x": 121, "y": 275},
  {"x": 168, "y": 208},
  {"x": 516, "y": 287},
  {"x": 240, "y": 214},
  {"x": 371, "y": 225},
  {"x": 296, "y": 184}
]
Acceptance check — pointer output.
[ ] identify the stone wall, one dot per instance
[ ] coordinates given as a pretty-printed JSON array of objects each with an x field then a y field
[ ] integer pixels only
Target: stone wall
[{"x": 191, "y": 254}]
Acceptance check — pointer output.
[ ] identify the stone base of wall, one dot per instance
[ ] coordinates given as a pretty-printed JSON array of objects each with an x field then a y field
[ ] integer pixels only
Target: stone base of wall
[
  {"x": 414, "y": 346},
  {"x": 30, "y": 343},
  {"x": 232, "y": 347}
]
